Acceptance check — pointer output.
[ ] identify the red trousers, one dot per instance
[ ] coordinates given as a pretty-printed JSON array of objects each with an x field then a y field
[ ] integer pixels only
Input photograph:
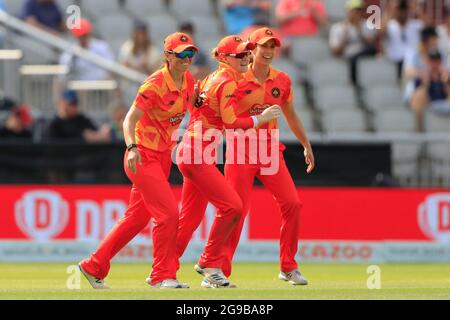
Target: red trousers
[
  {"x": 151, "y": 197},
  {"x": 281, "y": 185},
  {"x": 204, "y": 183}
]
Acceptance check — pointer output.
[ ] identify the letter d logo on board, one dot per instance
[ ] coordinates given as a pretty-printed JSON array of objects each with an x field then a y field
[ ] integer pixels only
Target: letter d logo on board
[
  {"x": 41, "y": 214},
  {"x": 434, "y": 217}
]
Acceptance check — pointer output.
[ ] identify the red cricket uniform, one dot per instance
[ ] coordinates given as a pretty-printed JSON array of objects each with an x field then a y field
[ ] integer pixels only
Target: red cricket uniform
[
  {"x": 164, "y": 107},
  {"x": 254, "y": 97},
  {"x": 204, "y": 182}
]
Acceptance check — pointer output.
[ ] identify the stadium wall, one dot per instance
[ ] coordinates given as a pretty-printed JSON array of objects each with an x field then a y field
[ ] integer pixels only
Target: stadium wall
[{"x": 343, "y": 225}]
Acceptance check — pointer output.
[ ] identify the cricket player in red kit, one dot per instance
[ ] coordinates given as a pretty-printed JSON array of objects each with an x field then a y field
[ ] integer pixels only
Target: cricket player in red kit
[
  {"x": 203, "y": 182},
  {"x": 155, "y": 116},
  {"x": 263, "y": 86}
]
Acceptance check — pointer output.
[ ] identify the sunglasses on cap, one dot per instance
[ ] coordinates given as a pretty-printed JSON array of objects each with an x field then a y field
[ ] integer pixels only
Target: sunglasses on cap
[
  {"x": 183, "y": 54},
  {"x": 241, "y": 55}
]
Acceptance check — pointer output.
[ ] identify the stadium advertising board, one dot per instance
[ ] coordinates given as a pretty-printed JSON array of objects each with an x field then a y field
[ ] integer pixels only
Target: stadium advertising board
[{"x": 337, "y": 225}]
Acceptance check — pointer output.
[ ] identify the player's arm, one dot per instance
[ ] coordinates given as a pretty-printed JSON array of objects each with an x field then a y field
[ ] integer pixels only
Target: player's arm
[
  {"x": 228, "y": 104},
  {"x": 296, "y": 125},
  {"x": 145, "y": 100},
  {"x": 129, "y": 127}
]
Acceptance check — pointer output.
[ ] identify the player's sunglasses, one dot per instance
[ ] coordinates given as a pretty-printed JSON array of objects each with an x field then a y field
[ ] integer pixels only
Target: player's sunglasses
[
  {"x": 186, "y": 53},
  {"x": 241, "y": 55}
]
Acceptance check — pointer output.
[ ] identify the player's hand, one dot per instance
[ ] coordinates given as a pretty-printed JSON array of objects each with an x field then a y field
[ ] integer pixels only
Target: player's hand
[
  {"x": 271, "y": 113},
  {"x": 134, "y": 156},
  {"x": 309, "y": 159}
]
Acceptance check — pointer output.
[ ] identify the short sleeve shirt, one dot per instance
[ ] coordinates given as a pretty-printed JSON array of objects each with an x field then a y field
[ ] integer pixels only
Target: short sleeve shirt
[
  {"x": 217, "y": 101},
  {"x": 255, "y": 97},
  {"x": 164, "y": 108}
]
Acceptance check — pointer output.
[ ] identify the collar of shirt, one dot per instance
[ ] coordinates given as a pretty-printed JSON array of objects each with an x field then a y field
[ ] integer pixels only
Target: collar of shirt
[
  {"x": 250, "y": 75},
  {"x": 169, "y": 80},
  {"x": 223, "y": 67}
]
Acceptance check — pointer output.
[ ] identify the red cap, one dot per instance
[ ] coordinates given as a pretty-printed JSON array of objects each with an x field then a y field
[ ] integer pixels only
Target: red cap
[
  {"x": 233, "y": 45},
  {"x": 83, "y": 29},
  {"x": 24, "y": 115},
  {"x": 263, "y": 35},
  {"x": 178, "y": 42}
]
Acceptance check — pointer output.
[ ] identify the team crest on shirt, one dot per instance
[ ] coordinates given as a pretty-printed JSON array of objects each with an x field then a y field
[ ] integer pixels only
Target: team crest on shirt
[
  {"x": 184, "y": 39},
  {"x": 176, "y": 119},
  {"x": 276, "y": 92},
  {"x": 257, "y": 109}
]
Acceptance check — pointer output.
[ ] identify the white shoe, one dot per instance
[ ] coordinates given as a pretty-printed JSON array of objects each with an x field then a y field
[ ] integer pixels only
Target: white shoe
[
  {"x": 293, "y": 277},
  {"x": 208, "y": 285},
  {"x": 96, "y": 283},
  {"x": 215, "y": 276},
  {"x": 168, "y": 284}
]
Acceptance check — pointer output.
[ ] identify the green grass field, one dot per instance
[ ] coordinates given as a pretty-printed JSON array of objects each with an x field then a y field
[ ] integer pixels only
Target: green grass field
[{"x": 254, "y": 280}]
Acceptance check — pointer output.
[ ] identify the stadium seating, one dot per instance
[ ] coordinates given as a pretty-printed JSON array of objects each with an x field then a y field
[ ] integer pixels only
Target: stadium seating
[
  {"x": 335, "y": 98},
  {"x": 405, "y": 161},
  {"x": 100, "y": 8},
  {"x": 108, "y": 27},
  {"x": 289, "y": 67},
  {"x": 329, "y": 73},
  {"x": 196, "y": 8},
  {"x": 384, "y": 97},
  {"x": 306, "y": 51},
  {"x": 439, "y": 153},
  {"x": 64, "y": 4},
  {"x": 394, "y": 120},
  {"x": 34, "y": 51},
  {"x": 206, "y": 27},
  {"x": 344, "y": 121},
  {"x": 308, "y": 123},
  {"x": 376, "y": 72},
  {"x": 161, "y": 26},
  {"x": 336, "y": 9},
  {"x": 436, "y": 123},
  {"x": 142, "y": 9},
  {"x": 14, "y": 7}
]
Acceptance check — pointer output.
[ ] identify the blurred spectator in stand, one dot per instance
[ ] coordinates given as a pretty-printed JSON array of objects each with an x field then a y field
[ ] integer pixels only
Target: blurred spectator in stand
[
  {"x": 139, "y": 53},
  {"x": 443, "y": 32},
  {"x": 200, "y": 67},
  {"x": 432, "y": 88},
  {"x": 118, "y": 116},
  {"x": 240, "y": 14},
  {"x": 18, "y": 123},
  {"x": 81, "y": 69},
  {"x": 301, "y": 18},
  {"x": 415, "y": 60},
  {"x": 402, "y": 33},
  {"x": 45, "y": 15},
  {"x": 71, "y": 124},
  {"x": 351, "y": 39}
]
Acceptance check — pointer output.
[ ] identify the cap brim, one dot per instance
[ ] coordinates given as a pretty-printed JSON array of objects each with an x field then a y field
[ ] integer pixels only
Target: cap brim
[
  {"x": 267, "y": 39},
  {"x": 245, "y": 46},
  {"x": 184, "y": 47}
]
